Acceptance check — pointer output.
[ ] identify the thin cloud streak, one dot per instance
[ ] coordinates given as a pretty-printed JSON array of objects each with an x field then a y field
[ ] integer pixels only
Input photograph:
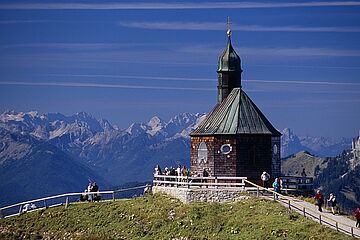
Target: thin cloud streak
[
  {"x": 169, "y": 6},
  {"x": 99, "y": 85},
  {"x": 216, "y": 26},
  {"x": 75, "y": 46},
  {"x": 4, "y": 22},
  {"x": 142, "y": 87},
  {"x": 165, "y": 78},
  {"x": 277, "y": 52},
  {"x": 303, "y": 82},
  {"x": 133, "y": 77}
]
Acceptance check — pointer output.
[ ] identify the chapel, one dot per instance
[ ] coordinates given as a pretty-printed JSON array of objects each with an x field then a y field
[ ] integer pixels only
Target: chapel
[{"x": 235, "y": 139}]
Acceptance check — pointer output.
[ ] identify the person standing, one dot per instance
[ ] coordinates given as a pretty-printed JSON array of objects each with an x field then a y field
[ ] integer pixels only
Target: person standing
[
  {"x": 265, "y": 177},
  {"x": 277, "y": 187},
  {"x": 205, "y": 175},
  {"x": 332, "y": 203},
  {"x": 157, "y": 170},
  {"x": 303, "y": 179},
  {"x": 357, "y": 215},
  {"x": 319, "y": 199},
  {"x": 89, "y": 189}
]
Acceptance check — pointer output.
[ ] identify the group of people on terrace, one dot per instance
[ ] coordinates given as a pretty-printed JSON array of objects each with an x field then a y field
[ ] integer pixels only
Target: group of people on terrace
[
  {"x": 181, "y": 171},
  {"x": 90, "y": 193}
]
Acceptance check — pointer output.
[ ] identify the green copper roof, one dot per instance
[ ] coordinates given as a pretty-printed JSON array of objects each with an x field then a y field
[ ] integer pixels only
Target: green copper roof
[
  {"x": 229, "y": 60},
  {"x": 237, "y": 114}
]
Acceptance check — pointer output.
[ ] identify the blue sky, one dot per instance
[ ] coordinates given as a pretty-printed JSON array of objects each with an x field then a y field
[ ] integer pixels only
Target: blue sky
[{"x": 129, "y": 61}]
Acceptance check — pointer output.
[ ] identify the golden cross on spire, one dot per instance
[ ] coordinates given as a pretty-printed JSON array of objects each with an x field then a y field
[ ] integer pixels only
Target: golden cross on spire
[{"x": 228, "y": 31}]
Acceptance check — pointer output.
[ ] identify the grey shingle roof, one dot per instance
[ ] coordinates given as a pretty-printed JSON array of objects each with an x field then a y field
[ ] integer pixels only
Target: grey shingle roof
[{"x": 237, "y": 114}]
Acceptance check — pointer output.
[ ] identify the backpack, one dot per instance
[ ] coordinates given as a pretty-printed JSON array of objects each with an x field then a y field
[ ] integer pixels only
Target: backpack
[{"x": 357, "y": 213}]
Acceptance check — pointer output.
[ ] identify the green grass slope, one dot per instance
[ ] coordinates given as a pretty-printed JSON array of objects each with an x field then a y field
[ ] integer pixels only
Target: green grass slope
[{"x": 160, "y": 217}]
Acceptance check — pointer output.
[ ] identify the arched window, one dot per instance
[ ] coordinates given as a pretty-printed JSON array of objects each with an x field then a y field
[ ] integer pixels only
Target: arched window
[
  {"x": 202, "y": 152},
  {"x": 275, "y": 149}
]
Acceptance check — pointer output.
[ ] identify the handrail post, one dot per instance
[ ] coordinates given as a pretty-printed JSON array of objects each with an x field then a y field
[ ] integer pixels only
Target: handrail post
[
  {"x": 113, "y": 195},
  {"x": 20, "y": 208},
  {"x": 187, "y": 181},
  {"x": 257, "y": 191},
  {"x": 274, "y": 196},
  {"x": 66, "y": 202},
  {"x": 304, "y": 212},
  {"x": 289, "y": 205},
  {"x": 352, "y": 232},
  {"x": 337, "y": 227},
  {"x": 45, "y": 204},
  {"x": 216, "y": 181},
  {"x": 1, "y": 214},
  {"x": 320, "y": 218}
]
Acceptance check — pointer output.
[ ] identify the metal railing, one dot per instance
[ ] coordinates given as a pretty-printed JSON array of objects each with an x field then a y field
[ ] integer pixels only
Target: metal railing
[
  {"x": 198, "y": 182},
  {"x": 307, "y": 212},
  {"x": 61, "y": 199}
]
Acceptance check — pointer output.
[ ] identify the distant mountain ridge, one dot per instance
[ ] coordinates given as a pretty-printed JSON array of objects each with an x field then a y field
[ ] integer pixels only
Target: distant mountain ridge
[
  {"x": 320, "y": 146},
  {"x": 115, "y": 155}
]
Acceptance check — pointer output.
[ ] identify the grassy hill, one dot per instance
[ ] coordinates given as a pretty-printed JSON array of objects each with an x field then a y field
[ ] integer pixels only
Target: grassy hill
[{"x": 161, "y": 217}]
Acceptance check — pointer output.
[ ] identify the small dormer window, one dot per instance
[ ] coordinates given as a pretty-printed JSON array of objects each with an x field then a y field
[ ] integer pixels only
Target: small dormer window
[{"x": 202, "y": 153}]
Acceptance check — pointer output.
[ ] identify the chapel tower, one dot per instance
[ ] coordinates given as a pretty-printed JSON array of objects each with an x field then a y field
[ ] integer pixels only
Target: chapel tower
[{"x": 235, "y": 138}]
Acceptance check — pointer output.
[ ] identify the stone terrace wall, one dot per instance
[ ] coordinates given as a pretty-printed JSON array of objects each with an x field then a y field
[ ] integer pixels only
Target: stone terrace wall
[{"x": 187, "y": 195}]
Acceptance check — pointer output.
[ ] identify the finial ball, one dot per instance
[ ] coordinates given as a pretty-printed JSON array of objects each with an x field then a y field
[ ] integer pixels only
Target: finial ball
[{"x": 228, "y": 33}]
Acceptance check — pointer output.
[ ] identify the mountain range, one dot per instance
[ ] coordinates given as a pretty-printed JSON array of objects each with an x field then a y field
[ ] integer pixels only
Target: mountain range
[{"x": 52, "y": 153}]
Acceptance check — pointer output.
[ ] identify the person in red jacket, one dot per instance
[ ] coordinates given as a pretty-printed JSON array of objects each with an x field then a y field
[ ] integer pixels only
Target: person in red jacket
[
  {"x": 319, "y": 199},
  {"x": 357, "y": 215}
]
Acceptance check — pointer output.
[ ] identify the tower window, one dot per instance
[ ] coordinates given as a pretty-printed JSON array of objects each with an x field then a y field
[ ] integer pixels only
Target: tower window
[{"x": 202, "y": 152}]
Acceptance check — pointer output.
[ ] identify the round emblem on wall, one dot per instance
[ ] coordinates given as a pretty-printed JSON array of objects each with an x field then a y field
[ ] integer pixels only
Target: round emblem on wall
[{"x": 225, "y": 149}]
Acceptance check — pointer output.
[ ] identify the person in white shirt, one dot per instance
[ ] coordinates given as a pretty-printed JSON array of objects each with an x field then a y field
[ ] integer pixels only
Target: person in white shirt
[{"x": 265, "y": 177}]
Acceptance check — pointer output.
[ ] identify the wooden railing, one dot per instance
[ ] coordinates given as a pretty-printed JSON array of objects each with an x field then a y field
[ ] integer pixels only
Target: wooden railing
[
  {"x": 306, "y": 212},
  {"x": 61, "y": 199},
  {"x": 197, "y": 182}
]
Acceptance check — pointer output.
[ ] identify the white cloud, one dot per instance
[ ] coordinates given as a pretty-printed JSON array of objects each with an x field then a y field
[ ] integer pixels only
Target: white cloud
[
  {"x": 217, "y": 26},
  {"x": 287, "y": 52},
  {"x": 166, "y": 6},
  {"x": 167, "y": 78},
  {"x": 99, "y": 85},
  {"x": 76, "y": 46},
  {"x": 3, "y": 22}
]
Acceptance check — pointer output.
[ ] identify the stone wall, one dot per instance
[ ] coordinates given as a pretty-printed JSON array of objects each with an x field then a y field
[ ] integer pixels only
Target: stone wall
[{"x": 187, "y": 195}]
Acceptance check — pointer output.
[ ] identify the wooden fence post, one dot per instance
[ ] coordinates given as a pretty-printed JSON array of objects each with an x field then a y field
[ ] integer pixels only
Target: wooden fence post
[{"x": 66, "y": 202}]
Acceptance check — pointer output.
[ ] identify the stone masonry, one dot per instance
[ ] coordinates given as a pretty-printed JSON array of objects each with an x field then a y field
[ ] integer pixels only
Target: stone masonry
[{"x": 188, "y": 195}]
